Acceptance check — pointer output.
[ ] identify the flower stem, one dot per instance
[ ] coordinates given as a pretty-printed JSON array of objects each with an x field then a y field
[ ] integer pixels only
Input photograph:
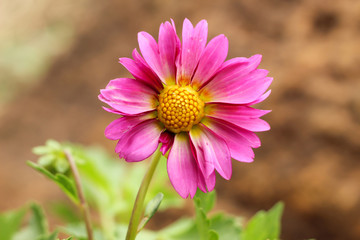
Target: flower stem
[
  {"x": 139, "y": 201},
  {"x": 83, "y": 204}
]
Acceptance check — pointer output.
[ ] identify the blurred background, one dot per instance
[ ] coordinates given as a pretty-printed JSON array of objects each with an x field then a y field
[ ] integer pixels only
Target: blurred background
[{"x": 56, "y": 55}]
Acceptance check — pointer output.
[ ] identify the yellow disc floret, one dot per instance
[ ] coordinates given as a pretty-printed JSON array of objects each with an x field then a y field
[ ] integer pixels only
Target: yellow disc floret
[{"x": 180, "y": 108}]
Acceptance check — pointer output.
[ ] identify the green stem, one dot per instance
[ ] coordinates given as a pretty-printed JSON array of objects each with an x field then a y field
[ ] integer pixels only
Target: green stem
[
  {"x": 83, "y": 204},
  {"x": 139, "y": 201}
]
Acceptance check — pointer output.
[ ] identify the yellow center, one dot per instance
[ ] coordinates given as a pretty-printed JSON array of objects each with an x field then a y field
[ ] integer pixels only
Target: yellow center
[{"x": 180, "y": 108}]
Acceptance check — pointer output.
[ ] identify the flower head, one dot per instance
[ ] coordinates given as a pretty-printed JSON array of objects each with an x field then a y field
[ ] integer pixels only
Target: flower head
[{"x": 184, "y": 95}]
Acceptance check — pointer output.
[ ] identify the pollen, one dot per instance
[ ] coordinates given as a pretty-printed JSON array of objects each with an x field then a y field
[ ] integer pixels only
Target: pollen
[{"x": 180, "y": 108}]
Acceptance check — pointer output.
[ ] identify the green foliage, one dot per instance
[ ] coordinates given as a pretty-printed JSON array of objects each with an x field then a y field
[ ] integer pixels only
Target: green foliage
[
  {"x": 110, "y": 189},
  {"x": 52, "y": 157},
  {"x": 218, "y": 226},
  {"x": 35, "y": 229},
  {"x": 66, "y": 212},
  {"x": 204, "y": 202},
  {"x": 228, "y": 227},
  {"x": 10, "y": 223},
  {"x": 65, "y": 183},
  {"x": 264, "y": 225},
  {"x": 110, "y": 185}
]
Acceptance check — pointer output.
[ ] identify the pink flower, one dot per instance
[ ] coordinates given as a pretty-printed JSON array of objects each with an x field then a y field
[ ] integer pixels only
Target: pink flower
[{"x": 187, "y": 97}]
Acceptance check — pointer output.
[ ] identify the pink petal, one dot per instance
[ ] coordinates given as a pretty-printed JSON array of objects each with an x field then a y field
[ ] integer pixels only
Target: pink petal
[
  {"x": 239, "y": 141},
  {"x": 168, "y": 51},
  {"x": 140, "y": 142},
  {"x": 117, "y": 128},
  {"x": 206, "y": 184},
  {"x": 261, "y": 98},
  {"x": 167, "y": 140},
  {"x": 237, "y": 83},
  {"x": 141, "y": 72},
  {"x": 181, "y": 167},
  {"x": 150, "y": 50},
  {"x": 138, "y": 58},
  {"x": 211, "y": 59},
  {"x": 156, "y": 60},
  {"x": 129, "y": 96},
  {"x": 240, "y": 115},
  {"x": 178, "y": 42},
  {"x": 211, "y": 152},
  {"x": 193, "y": 44}
]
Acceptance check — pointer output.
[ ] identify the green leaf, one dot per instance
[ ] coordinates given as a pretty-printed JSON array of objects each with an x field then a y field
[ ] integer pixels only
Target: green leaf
[
  {"x": 228, "y": 227},
  {"x": 37, "y": 227},
  {"x": 10, "y": 223},
  {"x": 216, "y": 227},
  {"x": 41, "y": 170},
  {"x": 213, "y": 235},
  {"x": 204, "y": 202},
  {"x": 38, "y": 220},
  {"x": 65, "y": 183},
  {"x": 68, "y": 186},
  {"x": 264, "y": 225},
  {"x": 150, "y": 210}
]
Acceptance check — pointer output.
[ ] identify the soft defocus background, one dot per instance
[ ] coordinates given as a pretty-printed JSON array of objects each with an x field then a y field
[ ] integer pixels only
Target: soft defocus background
[{"x": 56, "y": 55}]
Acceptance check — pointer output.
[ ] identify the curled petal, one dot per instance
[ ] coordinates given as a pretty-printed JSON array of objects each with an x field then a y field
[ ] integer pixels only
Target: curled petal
[
  {"x": 211, "y": 59},
  {"x": 167, "y": 140},
  {"x": 237, "y": 83},
  {"x": 239, "y": 141},
  {"x": 139, "y": 142},
  {"x": 240, "y": 115},
  {"x": 181, "y": 166},
  {"x": 211, "y": 152},
  {"x": 129, "y": 96},
  {"x": 117, "y": 128}
]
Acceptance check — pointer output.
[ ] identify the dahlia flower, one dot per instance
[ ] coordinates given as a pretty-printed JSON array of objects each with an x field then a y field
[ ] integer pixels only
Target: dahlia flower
[{"x": 185, "y": 96}]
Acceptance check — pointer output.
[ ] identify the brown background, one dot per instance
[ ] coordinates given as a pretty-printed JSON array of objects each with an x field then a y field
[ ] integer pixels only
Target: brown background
[{"x": 310, "y": 158}]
